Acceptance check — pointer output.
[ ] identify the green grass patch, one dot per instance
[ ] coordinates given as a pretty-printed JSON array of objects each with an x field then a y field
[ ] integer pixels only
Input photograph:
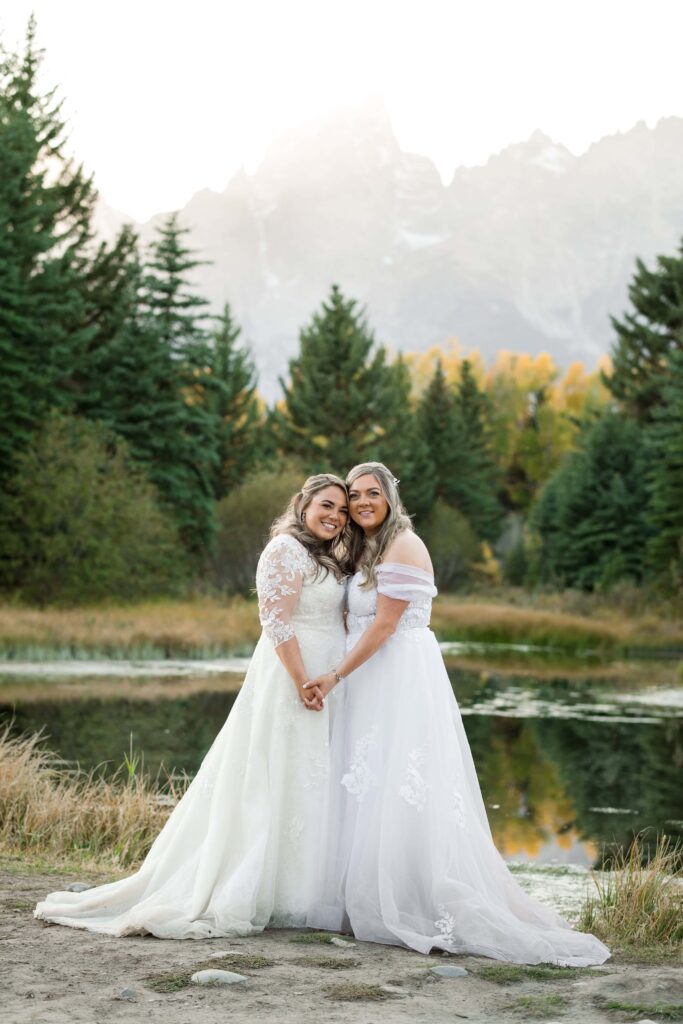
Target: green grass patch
[
  {"x": 508, "y": 974},
  {"x": 236, "y": 962},
  {"x": 356, "y": 992},
  {"x": 538, "y": 1006},
  {"x": 660, "y": 1011},
  {"x": 330, "y": 963},
  {"x": 174, "y": 981},
  {"x": 169, "y": 982}
]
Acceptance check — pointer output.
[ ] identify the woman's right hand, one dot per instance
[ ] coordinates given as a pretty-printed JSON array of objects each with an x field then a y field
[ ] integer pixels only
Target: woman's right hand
[{"x": 312, "y": 698}]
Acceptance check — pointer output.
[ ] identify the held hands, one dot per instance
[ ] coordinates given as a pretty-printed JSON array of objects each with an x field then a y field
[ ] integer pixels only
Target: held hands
[
  {"x": 322, "y": 684},
  {"x": 311, "y": 696}
]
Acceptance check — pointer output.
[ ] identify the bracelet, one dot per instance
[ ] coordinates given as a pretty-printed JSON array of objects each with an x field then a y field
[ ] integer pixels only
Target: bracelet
[{"x": 336, "y": 675}]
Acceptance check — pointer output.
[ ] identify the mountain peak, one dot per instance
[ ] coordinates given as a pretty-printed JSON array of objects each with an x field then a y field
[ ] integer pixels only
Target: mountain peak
[{"x": 539, "y": 150}]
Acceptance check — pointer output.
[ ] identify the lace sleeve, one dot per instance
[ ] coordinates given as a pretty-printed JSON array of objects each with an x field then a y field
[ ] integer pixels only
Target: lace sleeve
[
  {"x": 279, "y": 578},
  {"x": 404, "y": 582}
]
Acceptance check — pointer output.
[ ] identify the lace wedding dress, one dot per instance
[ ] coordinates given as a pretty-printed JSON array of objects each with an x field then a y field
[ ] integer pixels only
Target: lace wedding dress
[
  {"x": 409, "y": 856},
  {"x": 236, "y": 853}
]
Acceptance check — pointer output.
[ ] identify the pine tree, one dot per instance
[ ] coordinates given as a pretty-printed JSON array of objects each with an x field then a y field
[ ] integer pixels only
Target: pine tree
[
  {"x": 647, "y": 337},
  {"x": 592, "y": 514},
  {"x": 478, "y": 484},
  {"x": 336, "y": 399},
  {"x": 402, "y": 447},
  {"x": 172, "y": 317},
  {"x": 46, "y": 206},
  {"x": 442, "y": 431},
  {"x": 231, "y": 395},
  {"x": 664, "y": 442},
  {"x": 111, "y": 287}
]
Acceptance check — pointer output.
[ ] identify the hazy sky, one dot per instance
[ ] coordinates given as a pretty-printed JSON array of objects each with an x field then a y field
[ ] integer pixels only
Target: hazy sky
[{"x": 165, "y": 97}]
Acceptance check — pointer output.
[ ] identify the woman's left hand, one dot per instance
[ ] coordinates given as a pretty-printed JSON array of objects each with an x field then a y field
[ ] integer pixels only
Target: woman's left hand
[{"x": 325, "y": 683}]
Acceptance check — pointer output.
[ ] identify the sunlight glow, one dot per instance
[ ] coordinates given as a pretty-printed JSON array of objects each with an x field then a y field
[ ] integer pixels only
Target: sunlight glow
[{"x": 166, "y": 98}]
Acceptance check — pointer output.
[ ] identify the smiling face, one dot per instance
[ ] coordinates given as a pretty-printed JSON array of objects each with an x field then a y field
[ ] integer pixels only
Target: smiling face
[
  {"x": 367, "y": 504},
  {"x": 327, "y": 513}
]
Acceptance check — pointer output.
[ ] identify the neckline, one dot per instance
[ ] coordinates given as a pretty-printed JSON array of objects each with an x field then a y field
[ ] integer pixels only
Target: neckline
[{"x": 402, "y": 566}]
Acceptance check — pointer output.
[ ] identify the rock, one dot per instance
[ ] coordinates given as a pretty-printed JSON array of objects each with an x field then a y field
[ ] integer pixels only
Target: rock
[
  {"x": 78, "y": 887},
  {"x": 341, "y": 943},
  {"x": 217, "y": 978},
  {"x": 394, "y": 990},
  {"x": 449, "y": 972},
  {"x": 128, "y": 993}
]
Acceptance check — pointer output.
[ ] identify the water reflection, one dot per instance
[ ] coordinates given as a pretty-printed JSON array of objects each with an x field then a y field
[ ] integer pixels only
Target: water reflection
[
  {"x": 570, "y": 768},
  {"x": 569, "y": 765}
]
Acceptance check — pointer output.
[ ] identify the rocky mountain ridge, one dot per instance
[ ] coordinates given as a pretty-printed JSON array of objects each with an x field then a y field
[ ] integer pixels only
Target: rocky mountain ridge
[{"x": 531, "y": 251}]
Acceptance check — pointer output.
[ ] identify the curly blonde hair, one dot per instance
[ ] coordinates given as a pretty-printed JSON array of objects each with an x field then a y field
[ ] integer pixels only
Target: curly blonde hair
[
  {"x": 367, "y": 552},
  {"x": 331, "y": 555}
]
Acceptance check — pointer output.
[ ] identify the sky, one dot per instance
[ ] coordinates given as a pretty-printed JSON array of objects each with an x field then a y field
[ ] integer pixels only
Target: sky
[{"x": 165, "y": 97}]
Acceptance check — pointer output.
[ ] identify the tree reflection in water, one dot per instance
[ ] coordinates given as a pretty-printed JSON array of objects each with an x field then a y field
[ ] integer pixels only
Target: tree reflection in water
[{"x": 565, "y": 775}]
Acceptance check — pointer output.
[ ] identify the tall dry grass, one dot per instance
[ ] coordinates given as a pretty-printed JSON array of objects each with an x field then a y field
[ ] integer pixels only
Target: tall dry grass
[
  {"x": 603, "y": 629},
  {"x": 639, "y": 902},
  {"x": 164, "y": 629},
  {"x": 210, "y": 627},
  {"x": 54, "y": 811}
]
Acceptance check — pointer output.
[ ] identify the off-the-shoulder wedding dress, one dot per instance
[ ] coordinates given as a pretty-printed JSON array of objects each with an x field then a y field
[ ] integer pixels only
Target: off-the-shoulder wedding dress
[
  {"x": 409, "y": 858},
  {"x": 236, "y": 853}
]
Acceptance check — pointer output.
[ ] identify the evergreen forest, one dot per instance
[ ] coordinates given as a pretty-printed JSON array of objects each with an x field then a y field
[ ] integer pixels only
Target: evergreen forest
[{"x": 138, "y": 458}]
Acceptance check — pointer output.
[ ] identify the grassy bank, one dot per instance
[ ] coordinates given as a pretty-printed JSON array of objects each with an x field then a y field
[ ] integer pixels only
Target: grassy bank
[
  {"x": 163, "y": 629},
  {"x": 607, "y": 630},
  {"x": 212, "y": 627}
]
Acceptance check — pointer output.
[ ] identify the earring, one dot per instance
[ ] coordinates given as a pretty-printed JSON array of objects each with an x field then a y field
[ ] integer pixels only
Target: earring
[{"x": 303, "y": 517}]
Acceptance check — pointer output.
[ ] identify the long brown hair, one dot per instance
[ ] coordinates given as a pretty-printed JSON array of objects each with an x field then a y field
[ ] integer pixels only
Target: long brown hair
[
  {"x": 331, "y": 555},
  {"x": 368, "y": 551}
]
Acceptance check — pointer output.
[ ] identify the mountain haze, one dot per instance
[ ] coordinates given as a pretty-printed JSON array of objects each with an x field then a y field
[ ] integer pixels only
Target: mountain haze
[{"x": 531, "y": 251}]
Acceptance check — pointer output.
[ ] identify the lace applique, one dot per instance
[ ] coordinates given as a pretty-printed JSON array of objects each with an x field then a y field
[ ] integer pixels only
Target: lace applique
[
  {"x": 289, "y": 708},
  {"x": 459, "y": 805},
  {"x": 414, "y": 789},
  {"x": 318, "y": 770},
  {"x": 360, "y": 776},
  {"x": 279, "y": 577},
  {"x": 294, "y": 831},
  {"x": 445, "y": 926}
]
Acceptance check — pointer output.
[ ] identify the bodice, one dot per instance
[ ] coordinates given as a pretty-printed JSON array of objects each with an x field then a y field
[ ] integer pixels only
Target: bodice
[
  {"x": 403, "y": 582},
  {"x": 296, "y": 595}
]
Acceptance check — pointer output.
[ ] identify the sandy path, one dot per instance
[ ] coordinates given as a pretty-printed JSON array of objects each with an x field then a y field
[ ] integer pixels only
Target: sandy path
[{"x": 53, "y": 975}]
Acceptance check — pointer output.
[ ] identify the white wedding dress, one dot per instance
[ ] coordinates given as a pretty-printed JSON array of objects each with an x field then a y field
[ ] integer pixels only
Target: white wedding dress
[
  {"x": 237, "y": 851},
  {"x": 409, "y": 856}
]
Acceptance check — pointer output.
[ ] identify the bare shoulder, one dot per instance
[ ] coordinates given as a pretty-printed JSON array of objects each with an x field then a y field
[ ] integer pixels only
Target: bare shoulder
[{"x": 409, "y": 549}]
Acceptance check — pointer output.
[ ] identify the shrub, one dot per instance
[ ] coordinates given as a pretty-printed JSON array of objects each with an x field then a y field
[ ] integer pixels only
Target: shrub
[
  {"x": 244, "y": 520},
  {"x": 515, "y": 565},
  {"x": 453, "y": 545},
  {"x": 81, "y": 522}
]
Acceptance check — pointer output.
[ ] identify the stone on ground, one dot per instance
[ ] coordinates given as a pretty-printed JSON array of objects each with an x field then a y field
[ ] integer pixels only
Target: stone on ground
[{"x": 216, "y": 977}]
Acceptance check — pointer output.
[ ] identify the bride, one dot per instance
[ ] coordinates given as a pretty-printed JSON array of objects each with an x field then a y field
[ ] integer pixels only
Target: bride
[
  {"x": 236, "y": 853},
  {"x": 409, "y": 858}
]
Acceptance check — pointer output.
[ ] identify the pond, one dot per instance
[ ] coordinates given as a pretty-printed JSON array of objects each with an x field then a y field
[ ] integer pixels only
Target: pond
[{"x": 574, "y": 755}]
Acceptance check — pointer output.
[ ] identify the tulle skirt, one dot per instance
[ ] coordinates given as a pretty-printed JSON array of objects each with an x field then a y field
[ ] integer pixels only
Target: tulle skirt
[
  {"x": 409, "y": 858},
  {"x": 236, "y": 853}
]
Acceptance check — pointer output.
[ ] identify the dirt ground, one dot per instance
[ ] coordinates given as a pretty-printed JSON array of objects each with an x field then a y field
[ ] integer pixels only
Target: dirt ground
[{"x": 55, "y": 975}]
